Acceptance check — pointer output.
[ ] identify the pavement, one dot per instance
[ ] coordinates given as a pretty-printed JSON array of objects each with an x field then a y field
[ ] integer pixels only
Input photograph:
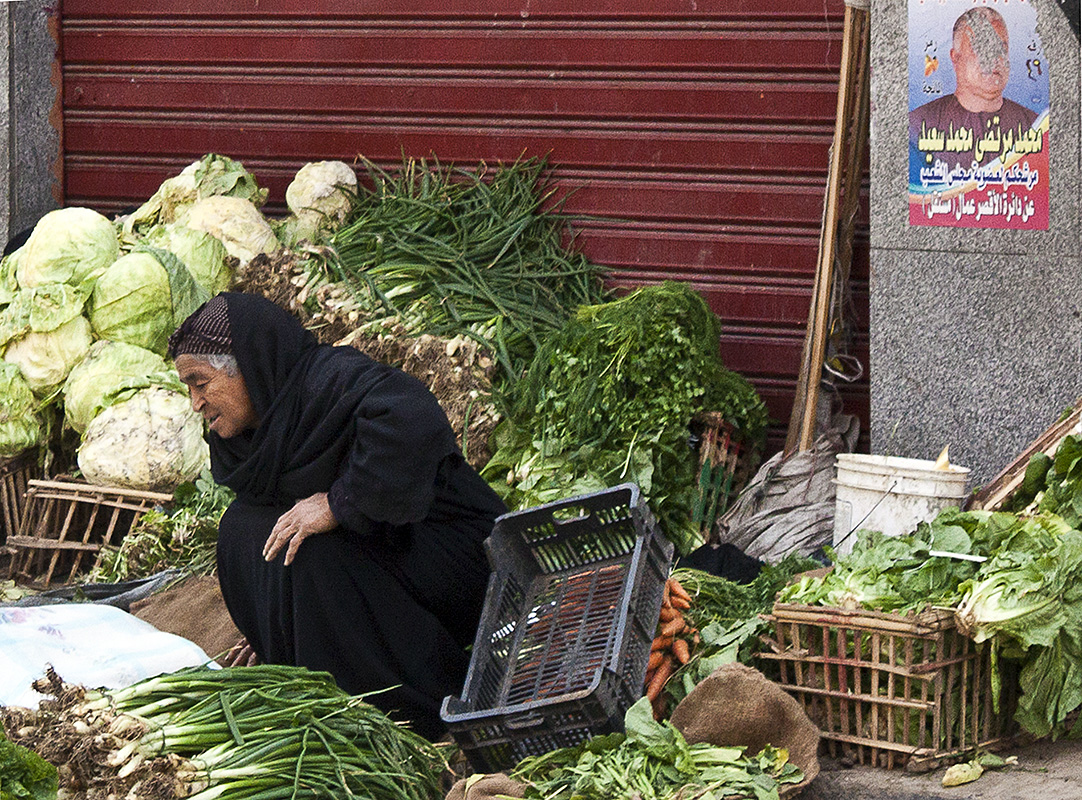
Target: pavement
[{"x": 1045, "y": 770}]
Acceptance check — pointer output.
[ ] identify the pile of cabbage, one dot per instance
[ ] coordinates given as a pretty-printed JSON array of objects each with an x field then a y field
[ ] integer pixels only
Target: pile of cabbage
[{"x": 87, "y": 305}]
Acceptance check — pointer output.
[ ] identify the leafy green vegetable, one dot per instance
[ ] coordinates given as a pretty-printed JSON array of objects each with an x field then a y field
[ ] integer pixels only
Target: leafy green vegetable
[
  {"x": 653, "y": 761},
  {"x": 610, "y": 397},
  {"x": 449, "y": 251},
  {"x": 184, "y": 536},
  {"x": 20, "y": 423},
  {"x": 68, "y": 245},
  {"x": 24, "y": 775}
]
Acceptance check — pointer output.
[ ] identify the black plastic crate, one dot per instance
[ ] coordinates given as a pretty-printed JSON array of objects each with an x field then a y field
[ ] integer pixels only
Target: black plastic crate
[{"x": 564, "y": 639}]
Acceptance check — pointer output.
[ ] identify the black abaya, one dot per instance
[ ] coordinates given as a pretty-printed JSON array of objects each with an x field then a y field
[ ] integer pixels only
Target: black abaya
[{"x": 392, "y": 596}]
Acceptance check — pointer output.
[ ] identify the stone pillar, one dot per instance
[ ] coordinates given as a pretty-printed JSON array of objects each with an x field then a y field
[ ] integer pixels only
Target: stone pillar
[
  {"x": 32, "y": 145},
  {"x": 976, "y": 334}
]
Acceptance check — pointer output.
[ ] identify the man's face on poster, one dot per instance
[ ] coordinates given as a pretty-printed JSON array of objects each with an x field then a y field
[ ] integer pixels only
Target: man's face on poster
[{"x": 979, "y": 55}]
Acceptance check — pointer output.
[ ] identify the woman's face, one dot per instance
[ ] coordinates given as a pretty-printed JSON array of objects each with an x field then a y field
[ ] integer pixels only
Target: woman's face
[{"x": 221, "y": 398}]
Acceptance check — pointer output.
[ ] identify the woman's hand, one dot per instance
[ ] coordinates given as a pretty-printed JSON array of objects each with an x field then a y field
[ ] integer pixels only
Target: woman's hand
[
  {"x": 241, "y": 655},
  {"x": 308, "y": 516}
]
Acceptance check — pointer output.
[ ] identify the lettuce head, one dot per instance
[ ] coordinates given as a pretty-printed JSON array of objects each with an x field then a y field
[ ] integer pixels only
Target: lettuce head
[
  {"x": 112, "y": 371},
  {"x": 44, "y": 332},
  {"x": 143, "y": 297},
  {"x": 20, "y": 424},
  {"x": 203, "y": 255},
  {"x": 236, "y": 223},
  {"x": 68, "y": 245},
  {"x": 151, "y": 441}
]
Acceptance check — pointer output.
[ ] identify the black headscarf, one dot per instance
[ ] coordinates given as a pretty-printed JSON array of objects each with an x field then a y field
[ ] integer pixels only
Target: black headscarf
[{"x": 315, "y": 403}]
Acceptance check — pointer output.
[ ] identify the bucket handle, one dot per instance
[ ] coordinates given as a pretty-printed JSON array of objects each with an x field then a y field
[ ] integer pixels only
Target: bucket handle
[{"x": 856, "y": 527}]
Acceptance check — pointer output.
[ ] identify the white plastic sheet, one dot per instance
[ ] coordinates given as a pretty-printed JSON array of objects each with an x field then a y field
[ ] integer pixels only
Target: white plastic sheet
[{"x": 97, "y": 646}]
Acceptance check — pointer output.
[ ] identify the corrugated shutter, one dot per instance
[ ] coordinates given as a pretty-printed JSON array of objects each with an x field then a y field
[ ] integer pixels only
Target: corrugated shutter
[{"x": 693, "y": 134}]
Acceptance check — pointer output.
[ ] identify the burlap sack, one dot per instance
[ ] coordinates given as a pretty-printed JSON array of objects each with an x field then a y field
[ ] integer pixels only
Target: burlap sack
[
  {"x": 738, "y": 706},
  {"x": 485, "y": 787},
  {"x": 194, "y": 609}
]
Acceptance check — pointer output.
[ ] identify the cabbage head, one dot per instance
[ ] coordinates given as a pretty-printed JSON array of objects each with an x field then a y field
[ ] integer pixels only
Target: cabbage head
[
  {"x": 152, "y": 441},
  {"x": 8, "y": 284},
  {"x": 236, "y": 223},
  {"x": 320, "y": 197},
  {"x": 69, "y": 245},
  {"x": 143, "y": 297},
  {"x": 20, "y": 425},
  {"x": 211, "y": 175},
  {"x": 44, "y": 332},
  {"x": 203, "y": 255},
  {"x": 110, "y": 372}
]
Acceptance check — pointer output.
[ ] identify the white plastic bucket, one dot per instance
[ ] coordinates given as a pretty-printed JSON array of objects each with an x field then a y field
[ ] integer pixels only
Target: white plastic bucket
[{"x": 890, "y": 494}]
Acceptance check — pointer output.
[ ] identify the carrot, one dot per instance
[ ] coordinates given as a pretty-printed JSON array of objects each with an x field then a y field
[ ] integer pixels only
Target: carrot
[
  {"x": 661, "y": 675},
  {"x": 680, "y": 603},
  {"x": 656, "y": 657},
  {"x": 661, "y": 643},
  {"x": 659, "y": 705},
  {"x": 673, "y": 626},
  {"x": 677, "y": 590},
  {"x": 665, "y": 595},
  {"x": 668, "y": 613},
  {"x": 681, "y": 650}
]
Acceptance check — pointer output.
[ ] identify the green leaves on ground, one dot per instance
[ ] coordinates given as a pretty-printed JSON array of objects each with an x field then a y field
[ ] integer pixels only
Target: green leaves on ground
[{"x": 653, "y": 761}]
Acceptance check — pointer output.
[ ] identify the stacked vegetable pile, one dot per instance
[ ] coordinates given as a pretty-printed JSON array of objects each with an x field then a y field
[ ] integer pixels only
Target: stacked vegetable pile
[
  {"x": 240, "y": 733},
  {"x": 610, "y": 398},
  {"x": 1019, "y": 589}
]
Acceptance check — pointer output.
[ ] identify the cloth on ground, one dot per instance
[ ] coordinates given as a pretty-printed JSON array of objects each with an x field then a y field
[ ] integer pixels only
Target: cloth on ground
[
  {"x": 192, "y": 608},
  {"x": 121, "y": 595},
  {"x": 86, "y": 643},
  {"x": 724, "y": 561}
]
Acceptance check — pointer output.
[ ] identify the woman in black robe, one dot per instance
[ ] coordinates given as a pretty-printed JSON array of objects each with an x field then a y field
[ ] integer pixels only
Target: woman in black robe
[{"x": 355, "y": 543}]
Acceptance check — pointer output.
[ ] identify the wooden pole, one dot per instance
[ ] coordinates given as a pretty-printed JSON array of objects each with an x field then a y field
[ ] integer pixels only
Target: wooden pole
[{"x": 801, "y": 432}]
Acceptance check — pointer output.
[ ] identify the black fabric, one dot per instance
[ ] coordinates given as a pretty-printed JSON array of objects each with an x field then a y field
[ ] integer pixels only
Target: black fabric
[
  {"x": 393, "y": 596},
  {"x": 725, "y": 561}
]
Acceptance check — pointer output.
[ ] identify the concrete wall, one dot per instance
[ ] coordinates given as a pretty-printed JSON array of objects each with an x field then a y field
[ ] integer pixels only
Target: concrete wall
[
  {"x": 976, "y": 335},
  {"x": 31, "y": 145}
]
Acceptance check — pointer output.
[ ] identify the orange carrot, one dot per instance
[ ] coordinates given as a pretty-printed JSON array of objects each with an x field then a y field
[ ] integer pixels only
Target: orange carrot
[
  {"x": 661, "y": 675},
  {"x": 673, "y": 626},
  {"x": 661, "y": 643},
  {"x": 681, "y": 650},
  {"x": 656, "y": 657},
  {"x": 668, "y": 613},
  {"x": 677, "y": 590},
  {"x": 680, "y": 603}
]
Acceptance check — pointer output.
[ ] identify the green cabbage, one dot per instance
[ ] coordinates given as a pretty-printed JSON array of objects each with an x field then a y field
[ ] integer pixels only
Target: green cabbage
[
  {"x": 9, "y": 286},
  {"x": 203, "y": 255},
  {"x": 69, "y": 245},
  {"x": 152, "y": 441},
  {"x": 20, "y": 425},
  {"x": 236, "y": 223},
  {"x": 44, "y": 333},
  {"x": 320, "y": 197},
  {"x": 110, "y": 372},
  {"x": 209, "y": 176},
  {"x": 143, "y": 297}
]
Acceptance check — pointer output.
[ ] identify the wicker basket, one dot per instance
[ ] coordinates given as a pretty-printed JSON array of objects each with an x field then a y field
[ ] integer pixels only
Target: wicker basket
[
  {"x": 891, "y": 690},
  {"x": 66, "y": 523},
  {"x": 15, "y": 473}
]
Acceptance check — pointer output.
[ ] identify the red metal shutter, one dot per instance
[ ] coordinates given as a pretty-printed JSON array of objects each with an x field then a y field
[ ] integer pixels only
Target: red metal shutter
[{"x": 694, "y": 133}]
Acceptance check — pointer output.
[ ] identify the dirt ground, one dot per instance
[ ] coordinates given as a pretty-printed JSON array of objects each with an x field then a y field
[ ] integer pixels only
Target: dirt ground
[{"x": 1045, "y": 771}]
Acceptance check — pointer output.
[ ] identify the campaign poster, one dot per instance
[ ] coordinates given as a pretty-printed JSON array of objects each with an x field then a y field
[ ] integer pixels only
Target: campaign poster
[{"x": 978, "y": 115}]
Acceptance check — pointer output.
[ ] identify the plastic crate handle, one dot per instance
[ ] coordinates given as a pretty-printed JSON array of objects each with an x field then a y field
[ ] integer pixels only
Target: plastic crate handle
[{"x": 528, "y": 719}]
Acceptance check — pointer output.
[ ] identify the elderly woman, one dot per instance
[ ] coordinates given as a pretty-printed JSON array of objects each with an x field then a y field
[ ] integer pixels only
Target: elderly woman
[{"x": 355, "y": 543}]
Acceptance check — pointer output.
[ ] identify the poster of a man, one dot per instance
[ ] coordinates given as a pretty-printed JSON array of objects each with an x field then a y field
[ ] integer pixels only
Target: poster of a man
[
  {"x": 978, "y": 149},
  {"x": 979, "y": 54}
]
